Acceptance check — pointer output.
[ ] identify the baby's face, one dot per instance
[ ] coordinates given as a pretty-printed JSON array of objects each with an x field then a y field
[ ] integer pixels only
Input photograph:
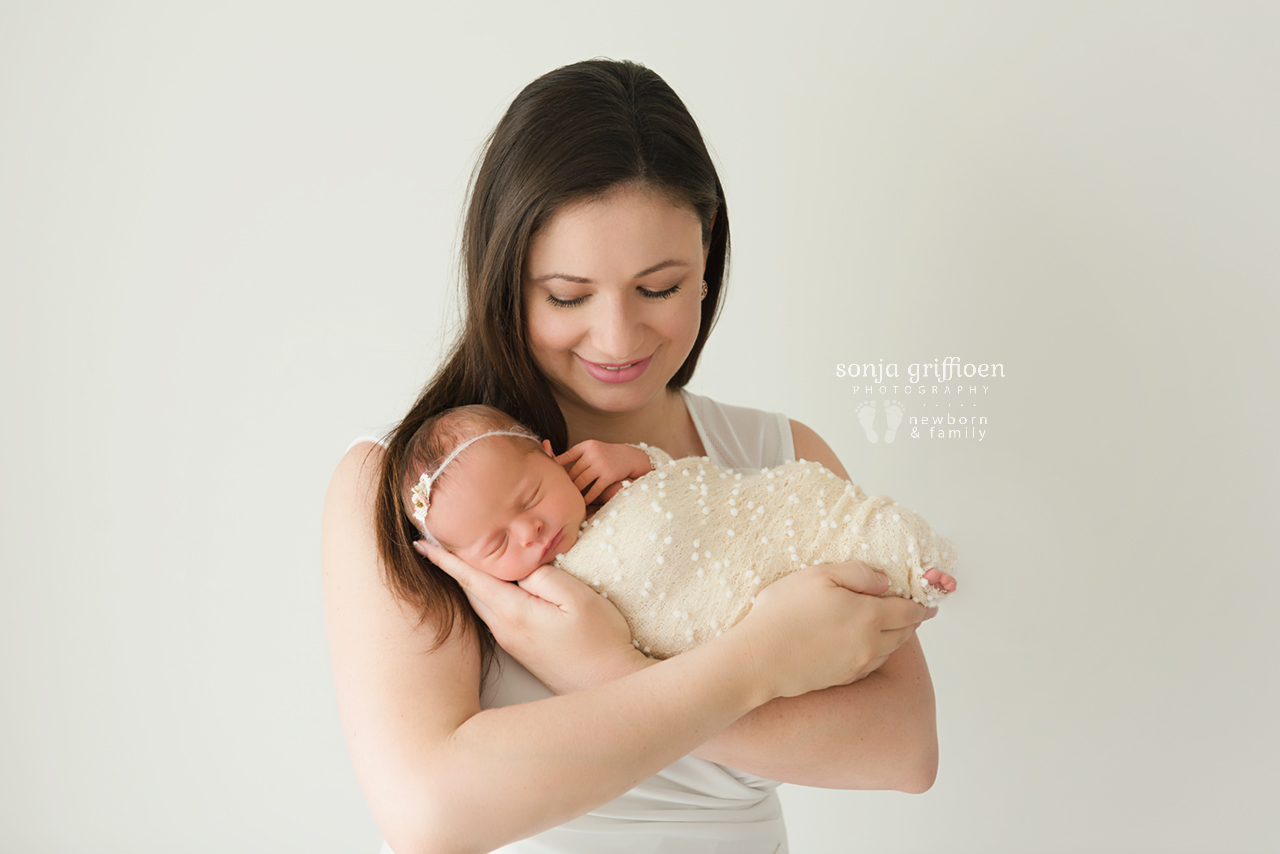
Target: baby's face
[{"x": 506, "y": 511}]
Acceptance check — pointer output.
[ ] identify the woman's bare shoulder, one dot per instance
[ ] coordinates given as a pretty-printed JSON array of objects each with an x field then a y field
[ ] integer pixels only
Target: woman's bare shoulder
[
  {"x": 351, "y": 569},
  {"x": 348, "y": 546},
  {"x": 394, "y": 686},
  {"x": 810, "y": 446}
]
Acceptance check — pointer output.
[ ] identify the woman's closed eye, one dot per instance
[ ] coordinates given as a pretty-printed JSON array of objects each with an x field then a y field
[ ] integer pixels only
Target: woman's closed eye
[
  {"x": 565, "y": 303},
  {"x": 667, "y": 294},
  {"x": 644, "y": 292}
]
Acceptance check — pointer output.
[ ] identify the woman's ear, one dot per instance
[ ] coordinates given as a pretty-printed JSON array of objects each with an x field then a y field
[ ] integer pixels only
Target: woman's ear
[{"x": 546, "y": 446}]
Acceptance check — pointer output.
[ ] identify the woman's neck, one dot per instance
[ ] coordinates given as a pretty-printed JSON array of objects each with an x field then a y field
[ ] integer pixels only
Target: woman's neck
[{"x": 664, "y": 422}]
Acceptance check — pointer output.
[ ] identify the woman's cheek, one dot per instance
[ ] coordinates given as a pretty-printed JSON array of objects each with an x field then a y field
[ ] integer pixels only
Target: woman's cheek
[
  {"x": 548, "y": 338},
  {"x": 689, "y": 324}
]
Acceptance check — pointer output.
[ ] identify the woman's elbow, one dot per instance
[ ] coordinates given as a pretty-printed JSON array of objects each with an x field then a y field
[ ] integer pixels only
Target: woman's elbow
[
  {"x": 921, "y": 772},
  {"x": 428, "y": 824},
  {"x": 920, "y": 783},
  {"x": 426, "y": 836}
]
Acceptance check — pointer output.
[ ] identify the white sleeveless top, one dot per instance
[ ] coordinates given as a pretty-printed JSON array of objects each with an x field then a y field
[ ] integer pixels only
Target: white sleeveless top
[{"x": 692, "y": 806}]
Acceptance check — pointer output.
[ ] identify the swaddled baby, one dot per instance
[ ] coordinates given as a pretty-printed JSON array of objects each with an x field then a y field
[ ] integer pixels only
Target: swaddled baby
[{"x": 681, "y": 547}]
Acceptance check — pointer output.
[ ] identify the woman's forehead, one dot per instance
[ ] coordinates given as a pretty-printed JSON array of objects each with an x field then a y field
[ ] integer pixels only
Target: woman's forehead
[{"x": 619, "y": 235}]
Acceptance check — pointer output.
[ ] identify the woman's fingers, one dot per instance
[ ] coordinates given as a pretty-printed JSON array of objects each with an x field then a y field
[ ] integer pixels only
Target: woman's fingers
[
  {"x": 859, "y": 577},
  {"x": 816, "y": 628},
  {"x": 570, "y": 637},
  {"x": 898, "y": 613},
  {"x": 486, "y": 593},
  {"x": 897, "y": 637}
]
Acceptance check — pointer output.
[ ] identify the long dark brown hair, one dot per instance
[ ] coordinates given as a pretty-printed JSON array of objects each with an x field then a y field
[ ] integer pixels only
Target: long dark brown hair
[{"x": 573, "y": 134}]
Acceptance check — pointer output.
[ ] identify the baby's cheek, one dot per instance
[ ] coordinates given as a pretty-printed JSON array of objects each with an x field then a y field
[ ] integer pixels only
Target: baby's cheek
[{"x": 512, "y": 572}]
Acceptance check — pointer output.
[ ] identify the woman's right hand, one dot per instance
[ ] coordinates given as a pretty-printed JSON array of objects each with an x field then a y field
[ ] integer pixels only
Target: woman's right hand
[
  {"x": 562, "y": 631},
  {"x": 825, "y": 625}
]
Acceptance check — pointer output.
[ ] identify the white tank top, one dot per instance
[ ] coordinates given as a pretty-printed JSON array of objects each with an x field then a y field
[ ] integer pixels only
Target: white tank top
[{"x": 692, "y": 806}]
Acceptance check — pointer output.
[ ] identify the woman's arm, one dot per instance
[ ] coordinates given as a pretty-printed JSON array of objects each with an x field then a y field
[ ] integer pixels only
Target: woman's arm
[
  {"x": 441, "y": 775},
  {"x": 879, "y": 733}
]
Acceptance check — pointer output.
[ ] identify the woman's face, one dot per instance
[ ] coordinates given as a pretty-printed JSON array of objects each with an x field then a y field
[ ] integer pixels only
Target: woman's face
[{"x": 612, "y": 298}]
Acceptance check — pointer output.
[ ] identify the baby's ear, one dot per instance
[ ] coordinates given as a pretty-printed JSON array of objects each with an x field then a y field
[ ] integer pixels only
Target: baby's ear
[{"x": 546, "y": 446}]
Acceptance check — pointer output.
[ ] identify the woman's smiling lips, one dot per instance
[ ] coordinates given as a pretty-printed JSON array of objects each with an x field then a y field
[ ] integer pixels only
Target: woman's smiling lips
[{"x": 622, "y": 372}]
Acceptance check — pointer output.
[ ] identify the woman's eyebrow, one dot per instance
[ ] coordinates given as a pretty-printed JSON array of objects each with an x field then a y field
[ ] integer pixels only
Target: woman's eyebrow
[
  {"x": 581, "y": 280},
  {"x": 662, "y": 265},
  {"x": 577, "y": 280}
]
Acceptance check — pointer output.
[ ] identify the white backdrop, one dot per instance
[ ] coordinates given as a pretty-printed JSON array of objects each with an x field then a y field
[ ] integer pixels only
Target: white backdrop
[{"x": 226, "y": 247}]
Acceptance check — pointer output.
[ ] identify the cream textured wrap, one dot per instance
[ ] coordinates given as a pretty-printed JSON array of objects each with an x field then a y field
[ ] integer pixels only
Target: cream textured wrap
[{"x": 683, "y": 550}]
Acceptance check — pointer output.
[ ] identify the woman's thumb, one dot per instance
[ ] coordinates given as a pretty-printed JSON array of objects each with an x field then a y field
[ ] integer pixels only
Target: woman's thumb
[
  {"x": 483, "y": 590},
  {"x": 860, "y": 577}
]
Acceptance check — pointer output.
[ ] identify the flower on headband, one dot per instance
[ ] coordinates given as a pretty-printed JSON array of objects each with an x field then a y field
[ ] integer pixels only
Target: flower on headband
[
  {"x": 422, "y": 498},
  {"x": 422, "y": 490}
]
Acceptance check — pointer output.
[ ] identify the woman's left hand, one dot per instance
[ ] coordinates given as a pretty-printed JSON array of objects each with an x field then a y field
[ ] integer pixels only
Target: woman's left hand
[{"x": 562, "y": 631}]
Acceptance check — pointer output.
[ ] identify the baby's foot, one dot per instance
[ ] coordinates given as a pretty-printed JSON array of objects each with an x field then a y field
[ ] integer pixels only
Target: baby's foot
[
  {"x": 939, "y": 579},
  {"x": 893, "y": 411},
  {"x": 867, "y": 414}
]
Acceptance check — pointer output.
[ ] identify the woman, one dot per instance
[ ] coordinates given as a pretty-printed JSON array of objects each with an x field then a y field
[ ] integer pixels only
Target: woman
[{"x": 594, "y": 250}]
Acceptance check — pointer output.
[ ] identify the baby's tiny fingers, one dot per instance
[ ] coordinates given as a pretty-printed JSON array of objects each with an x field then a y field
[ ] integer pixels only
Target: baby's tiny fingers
[
  {"x": 591, "y": 495},
  {"x": 582, "y": 481}
]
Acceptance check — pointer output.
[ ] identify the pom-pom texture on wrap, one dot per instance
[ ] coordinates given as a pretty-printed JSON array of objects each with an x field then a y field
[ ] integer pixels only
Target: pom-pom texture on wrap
[{"x": 683, "y": 551}]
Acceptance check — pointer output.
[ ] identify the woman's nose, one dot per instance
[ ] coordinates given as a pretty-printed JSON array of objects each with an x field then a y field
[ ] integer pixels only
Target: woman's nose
[{"x": 616, "y": 332}]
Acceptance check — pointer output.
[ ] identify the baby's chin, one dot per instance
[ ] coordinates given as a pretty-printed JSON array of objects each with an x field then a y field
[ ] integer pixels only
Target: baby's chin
[
  {"x": 567, "y": 541},
  {"x": 508, "y": 574}
]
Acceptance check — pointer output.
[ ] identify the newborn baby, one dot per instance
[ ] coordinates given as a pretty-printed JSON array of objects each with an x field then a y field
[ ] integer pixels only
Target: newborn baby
[{"x": 681, "y": 547}]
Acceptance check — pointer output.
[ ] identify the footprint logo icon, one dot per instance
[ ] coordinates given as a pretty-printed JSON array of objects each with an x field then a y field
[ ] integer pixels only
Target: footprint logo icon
[
  {"x": 893, "y": 412},
  {"x": 866, "y": 415}
]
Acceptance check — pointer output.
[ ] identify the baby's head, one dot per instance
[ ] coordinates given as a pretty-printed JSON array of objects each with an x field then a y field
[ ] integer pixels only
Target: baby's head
[{"x": 492, "y": 493}]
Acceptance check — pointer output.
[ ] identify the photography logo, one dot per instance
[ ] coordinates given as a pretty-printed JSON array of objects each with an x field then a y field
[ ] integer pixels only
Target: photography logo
[
  {"x": 893, "y": 411},
  {"x": 949, "y": 397}
]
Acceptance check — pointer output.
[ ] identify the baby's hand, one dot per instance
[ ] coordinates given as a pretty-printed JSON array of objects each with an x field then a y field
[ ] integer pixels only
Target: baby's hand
[{"x": 597, "y": 468}]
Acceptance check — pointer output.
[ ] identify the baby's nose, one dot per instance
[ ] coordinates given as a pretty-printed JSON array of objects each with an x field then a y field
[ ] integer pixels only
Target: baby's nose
[{"x": 532, "y": 527}]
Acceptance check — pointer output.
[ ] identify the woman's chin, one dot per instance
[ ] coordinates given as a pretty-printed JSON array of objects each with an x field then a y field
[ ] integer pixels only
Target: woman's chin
[{"x": 619, "y": 398}]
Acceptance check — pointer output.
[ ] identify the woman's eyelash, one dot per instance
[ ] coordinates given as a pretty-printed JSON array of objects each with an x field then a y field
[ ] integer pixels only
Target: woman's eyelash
[
  {"x": 571, "y": 303},
  {"x": 667, "y": 294}
]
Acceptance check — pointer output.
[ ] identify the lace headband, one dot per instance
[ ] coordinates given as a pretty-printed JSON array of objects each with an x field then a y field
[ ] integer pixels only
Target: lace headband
[{"x": 422, "y": 489}]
